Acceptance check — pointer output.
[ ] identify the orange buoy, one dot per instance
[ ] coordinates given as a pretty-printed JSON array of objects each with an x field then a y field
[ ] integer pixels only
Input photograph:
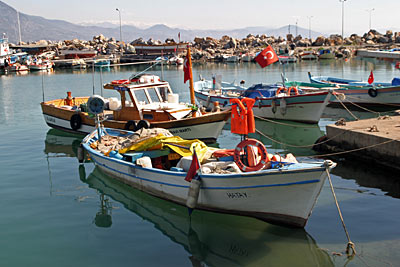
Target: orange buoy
[
  {"x": 294, "y": 88},
  {"x": 280, "y": 89},
  {"x": 118, "y": 82},
  {"x": 262, "y": 151}
]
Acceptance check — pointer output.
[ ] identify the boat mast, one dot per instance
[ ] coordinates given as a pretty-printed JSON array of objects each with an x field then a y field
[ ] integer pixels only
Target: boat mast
[{"x": 192, "y": 97}]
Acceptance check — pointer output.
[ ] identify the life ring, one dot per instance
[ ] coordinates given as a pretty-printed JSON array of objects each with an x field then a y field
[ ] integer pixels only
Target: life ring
[
  {"x": 372, "y": 92},
  {"x": 280, "y": 89},
  {"x": 120, "y": 82},
  {"x": 262, "y": 152},
  {"x": 131, "y": 126},
  {"x": 142, "y": 124},
  {"x": 296, "y": 91},
  {"x": 75, "y": 122}
]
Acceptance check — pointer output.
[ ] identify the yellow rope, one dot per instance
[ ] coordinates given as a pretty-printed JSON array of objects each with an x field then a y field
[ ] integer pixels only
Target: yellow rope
[{"x": 350, "y": 245}]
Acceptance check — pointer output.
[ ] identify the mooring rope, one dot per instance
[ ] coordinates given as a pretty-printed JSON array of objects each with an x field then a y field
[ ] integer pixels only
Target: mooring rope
[
  {"x": 350, "y": 244},
  {"x": 303, "y": 146},
  {"x": 354, "y": 116},
  {"x": 282, "y": 123},
  {"x": 356, "y": 149}
]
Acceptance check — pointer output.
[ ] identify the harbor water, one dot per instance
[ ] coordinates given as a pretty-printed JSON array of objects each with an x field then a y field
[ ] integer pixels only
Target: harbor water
[{"x": 55, "y": 212}]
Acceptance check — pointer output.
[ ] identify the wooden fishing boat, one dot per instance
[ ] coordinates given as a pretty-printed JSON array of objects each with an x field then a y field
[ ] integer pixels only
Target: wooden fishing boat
[
  {"x": 282, "y": 193},
  {"x": 272, "y": 101},
  {"x": 378, "y": 95},
  {"x": 144, "y": 101}
]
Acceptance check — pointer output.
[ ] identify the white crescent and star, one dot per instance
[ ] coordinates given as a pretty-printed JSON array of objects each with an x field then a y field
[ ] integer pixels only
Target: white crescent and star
[{"x": 266, "y": 55}]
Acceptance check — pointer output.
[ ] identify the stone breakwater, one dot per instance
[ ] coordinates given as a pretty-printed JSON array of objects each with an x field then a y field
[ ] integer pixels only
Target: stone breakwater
[{"x": 209, "y": 49}]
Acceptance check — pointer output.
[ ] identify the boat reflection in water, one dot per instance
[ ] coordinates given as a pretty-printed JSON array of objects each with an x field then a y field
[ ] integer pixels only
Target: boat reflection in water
[
  {"x": 213, "y": 239},
  {"x": 287, "y": 136},
  {"x": 60, "y": 142}
]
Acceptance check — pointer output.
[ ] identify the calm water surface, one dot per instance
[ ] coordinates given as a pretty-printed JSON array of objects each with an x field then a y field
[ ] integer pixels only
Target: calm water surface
[{"x": 57, "y": 213}]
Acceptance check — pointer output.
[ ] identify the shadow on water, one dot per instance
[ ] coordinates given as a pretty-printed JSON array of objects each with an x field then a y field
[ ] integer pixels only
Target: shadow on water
[
  {"x": 211, "y": 238},
  {"x": 366, "y": 176}
]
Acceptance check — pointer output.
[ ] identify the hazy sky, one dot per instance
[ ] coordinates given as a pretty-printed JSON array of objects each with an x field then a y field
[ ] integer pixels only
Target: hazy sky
[{"x": 221, "y": 14}]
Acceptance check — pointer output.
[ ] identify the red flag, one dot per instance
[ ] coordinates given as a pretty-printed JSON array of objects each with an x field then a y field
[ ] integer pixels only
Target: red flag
[
  {"x": 371, "y": 78},
  {"x": 186, "y": 68},
  {"x": 194, "y": 166},
  {"x": 266, "y": 57}
]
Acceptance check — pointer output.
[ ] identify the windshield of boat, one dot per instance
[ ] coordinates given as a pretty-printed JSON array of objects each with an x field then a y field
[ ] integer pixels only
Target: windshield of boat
[{"x": 152, "y": 94}]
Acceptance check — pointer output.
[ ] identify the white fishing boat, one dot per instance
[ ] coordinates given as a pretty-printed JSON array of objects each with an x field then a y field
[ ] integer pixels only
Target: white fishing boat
[
  {"x": 279, "y": 192},
  {"x": 272, "y": 101},
  {"x": 44, "y": 65},
  {"x": 308, "y": 55},
  {"x": 287, "y": 59},
  {"x": 382, "y": 95},
  {"x": 210, "y": 238}
]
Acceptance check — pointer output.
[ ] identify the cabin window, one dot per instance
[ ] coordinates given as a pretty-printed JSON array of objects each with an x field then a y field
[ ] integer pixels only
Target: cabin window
[
  {"x": 163, "y": 93},
  {"x": 153, "y": 94},
  {"x": 141, "y": 97}
]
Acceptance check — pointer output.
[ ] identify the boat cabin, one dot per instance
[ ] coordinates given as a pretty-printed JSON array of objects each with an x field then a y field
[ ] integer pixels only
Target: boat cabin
[{"x": 146, "y": 98}]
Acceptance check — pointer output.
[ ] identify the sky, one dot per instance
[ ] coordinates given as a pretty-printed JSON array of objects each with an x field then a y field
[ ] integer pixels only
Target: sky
[{"x": 323, "y": 16}]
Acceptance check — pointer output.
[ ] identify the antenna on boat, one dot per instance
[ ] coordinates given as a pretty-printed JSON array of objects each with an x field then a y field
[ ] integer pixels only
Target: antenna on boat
[
  {"x": 101, "y": 79},
  {"x": 93, "y": 75},
  {"x": 162, "y": 65},
  {"x": 283, "y": 74},
  {"x": 42, "y": 86}
]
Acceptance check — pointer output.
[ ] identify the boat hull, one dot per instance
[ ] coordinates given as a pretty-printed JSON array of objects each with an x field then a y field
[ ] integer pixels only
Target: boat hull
[
  {"x": 302, "y": 108},
  {"x": 276, "y": 195},
  {"x": 207, "y": 127}
]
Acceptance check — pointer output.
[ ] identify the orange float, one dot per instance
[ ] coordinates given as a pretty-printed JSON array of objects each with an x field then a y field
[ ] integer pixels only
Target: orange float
[{"x": 262, "y": 151}]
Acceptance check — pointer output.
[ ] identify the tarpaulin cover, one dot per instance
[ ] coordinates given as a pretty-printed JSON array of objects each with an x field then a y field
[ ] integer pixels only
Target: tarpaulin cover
[{"x": 177, "y": 144}]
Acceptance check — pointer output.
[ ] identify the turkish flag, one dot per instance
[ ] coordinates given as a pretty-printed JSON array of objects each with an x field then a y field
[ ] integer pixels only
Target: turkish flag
[
  {"x": 371, "y": 78},
  {"x": 186, "y": 70},
  {"x": 266, "y": 57},
  {"x": 194, "y": 166}
]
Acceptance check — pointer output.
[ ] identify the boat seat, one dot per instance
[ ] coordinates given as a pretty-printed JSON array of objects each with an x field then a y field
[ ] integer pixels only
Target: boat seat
[{"x": 134, "y": 155}]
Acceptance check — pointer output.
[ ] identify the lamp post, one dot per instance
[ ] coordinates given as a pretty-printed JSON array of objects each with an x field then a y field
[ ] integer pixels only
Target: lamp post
[
  {"x": 309, "y": 26},
  {"x": 342, "y": 1},
  {"x": 120, "y": 25},
  {"x": 370, "y": 11}
]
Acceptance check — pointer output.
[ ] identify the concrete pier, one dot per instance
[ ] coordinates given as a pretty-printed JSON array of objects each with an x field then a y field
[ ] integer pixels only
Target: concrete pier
[{"x": 374, "y": 141}]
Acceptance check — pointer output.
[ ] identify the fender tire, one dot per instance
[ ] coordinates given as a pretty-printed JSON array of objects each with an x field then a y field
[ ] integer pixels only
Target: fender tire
[
  {"x": 372, "y": 92},
  {"x": 75, "y": 122},
  {"x": 142, "y": 124},
  {"x": 131, "y": 126}
]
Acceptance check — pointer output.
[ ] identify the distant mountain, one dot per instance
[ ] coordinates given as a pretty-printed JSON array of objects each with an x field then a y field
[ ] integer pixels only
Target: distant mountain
[{"x": 34, "y": 28}]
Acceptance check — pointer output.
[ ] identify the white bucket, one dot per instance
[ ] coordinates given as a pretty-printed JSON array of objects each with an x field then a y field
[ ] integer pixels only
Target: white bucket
[
  {"x": 173, "y": 98},
  {"x": 144, "y": 162},
  {"x": 114, "y": 103}
]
